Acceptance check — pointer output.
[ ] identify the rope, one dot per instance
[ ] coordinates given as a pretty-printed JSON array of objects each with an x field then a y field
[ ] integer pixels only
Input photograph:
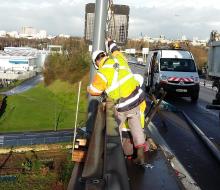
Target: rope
[{"x": 77, "y": 107}]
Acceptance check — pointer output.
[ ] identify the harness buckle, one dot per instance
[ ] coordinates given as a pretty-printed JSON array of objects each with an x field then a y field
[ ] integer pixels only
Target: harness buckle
[{"x": 116, "y": 66}]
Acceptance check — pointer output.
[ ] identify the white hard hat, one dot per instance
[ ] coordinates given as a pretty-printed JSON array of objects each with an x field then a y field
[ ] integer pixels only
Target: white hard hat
[
  {"x": 95, "y": 55},
  {"x": 139, "y": 78}
]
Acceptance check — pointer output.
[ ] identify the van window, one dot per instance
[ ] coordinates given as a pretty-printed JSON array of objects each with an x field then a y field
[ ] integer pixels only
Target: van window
[{"x": 178, "y": 65}]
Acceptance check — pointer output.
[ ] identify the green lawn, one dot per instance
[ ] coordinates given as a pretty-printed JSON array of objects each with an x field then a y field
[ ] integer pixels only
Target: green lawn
[{"x": 44, "y": 108}]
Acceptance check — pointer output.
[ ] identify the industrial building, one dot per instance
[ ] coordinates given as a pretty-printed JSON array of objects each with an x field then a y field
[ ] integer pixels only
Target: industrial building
[{"x": 18, "y": 63}]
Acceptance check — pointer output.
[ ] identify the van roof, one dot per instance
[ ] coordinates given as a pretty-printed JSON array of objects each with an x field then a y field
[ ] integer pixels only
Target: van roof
[{"x": 179, "y": 54}]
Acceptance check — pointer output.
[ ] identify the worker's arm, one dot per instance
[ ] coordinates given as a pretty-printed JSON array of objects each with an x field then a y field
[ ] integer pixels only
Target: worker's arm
[{"x": 98, "y": 85}]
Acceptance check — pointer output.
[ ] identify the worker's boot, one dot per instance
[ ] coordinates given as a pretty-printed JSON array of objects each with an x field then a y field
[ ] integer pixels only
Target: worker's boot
[
  {"x": 127, "y": 146},
  {"x": 142, "y": 156}
]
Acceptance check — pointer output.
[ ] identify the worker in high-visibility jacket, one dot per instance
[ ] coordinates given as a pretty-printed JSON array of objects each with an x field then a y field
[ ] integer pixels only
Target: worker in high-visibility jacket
[
  {"x": 127, "y": 143},
  {"x": 115, "y": 78}
]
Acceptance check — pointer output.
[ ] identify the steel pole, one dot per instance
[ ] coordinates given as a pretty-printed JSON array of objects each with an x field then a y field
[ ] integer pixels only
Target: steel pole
[{"x": 98, "y": 44}]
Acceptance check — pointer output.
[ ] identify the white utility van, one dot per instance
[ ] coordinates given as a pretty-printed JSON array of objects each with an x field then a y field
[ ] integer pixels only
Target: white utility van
[{"x": 174, "y": 70}]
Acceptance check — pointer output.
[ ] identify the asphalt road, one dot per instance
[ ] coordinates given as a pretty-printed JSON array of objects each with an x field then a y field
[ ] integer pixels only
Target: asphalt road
[
  {"x": 28, "y": 84},
  {"x": 185, "y": 143},
  {"x": 207, "y": 120},
  {"x": 31, "y": 138}
]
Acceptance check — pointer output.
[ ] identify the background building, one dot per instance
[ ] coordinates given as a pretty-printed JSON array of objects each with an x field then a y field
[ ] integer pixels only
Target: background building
[
  {"x": 28, "y": 31},
  {"x": 42, "y": 34},
  {"x": 17, "y": 63},
  {"x": 2, "y": 33},
  {"x": 117, "y": 22}
]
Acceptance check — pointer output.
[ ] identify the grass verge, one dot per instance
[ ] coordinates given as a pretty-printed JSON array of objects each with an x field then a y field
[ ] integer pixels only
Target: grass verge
[{"x": 44, "y": 108}]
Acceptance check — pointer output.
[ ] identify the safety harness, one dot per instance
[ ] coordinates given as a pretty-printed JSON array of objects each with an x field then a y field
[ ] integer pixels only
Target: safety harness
[{"x": 134, "y": 99}]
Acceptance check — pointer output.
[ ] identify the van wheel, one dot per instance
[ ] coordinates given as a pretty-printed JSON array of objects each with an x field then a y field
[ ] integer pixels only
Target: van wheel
[{"x": 195, "y": 97}]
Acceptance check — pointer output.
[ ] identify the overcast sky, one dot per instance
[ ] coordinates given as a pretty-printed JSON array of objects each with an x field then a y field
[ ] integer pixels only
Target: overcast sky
[{"x": 172, "y": 18}]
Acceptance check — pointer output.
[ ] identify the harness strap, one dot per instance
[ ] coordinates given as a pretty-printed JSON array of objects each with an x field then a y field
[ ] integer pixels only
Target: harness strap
[{"x": 115, "y": 82}]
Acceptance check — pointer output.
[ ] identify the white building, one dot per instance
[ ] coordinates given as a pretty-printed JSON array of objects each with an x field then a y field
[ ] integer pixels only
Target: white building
[
  {"x": 161, "y": 39},
  {"x": 13, "y": 34},
  {"x": 27, "y": 31},
  {"x": 183, "y": 38},
  {"x": 2, "y": 33},
  {"x": 31, "y": 33},
  {"x": 18, "y": 63},
  {"x": 197, "y": 42},
  {"x": 51, "y": 37},
  {"x": 41, "y": 34},
  {"x": 64, "y": 36}
]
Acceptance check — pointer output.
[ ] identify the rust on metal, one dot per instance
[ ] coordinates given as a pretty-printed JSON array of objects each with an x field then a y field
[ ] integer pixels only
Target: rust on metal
[
  {"x": 79, "y": 156},
  {"x": 80, "y": 150}
]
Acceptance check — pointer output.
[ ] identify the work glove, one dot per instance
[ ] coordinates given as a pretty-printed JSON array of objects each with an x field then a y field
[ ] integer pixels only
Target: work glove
[{"x": 111, "y": 45}]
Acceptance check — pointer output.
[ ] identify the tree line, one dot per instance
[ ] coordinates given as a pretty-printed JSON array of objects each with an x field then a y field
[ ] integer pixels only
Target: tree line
[
  {"x": 71, "y": 65},
  {"x": 75, "y": 60}
]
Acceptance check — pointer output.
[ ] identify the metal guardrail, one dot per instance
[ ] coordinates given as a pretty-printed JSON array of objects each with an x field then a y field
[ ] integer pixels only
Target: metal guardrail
[
  {"x": 1, "y": 140},
  {"x": 115, "y": 170},
  {"x": 105, "y": 166}
]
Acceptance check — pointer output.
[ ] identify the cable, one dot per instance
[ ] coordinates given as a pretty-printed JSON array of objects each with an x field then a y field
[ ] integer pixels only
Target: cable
[{"x": 110, "y": 18}]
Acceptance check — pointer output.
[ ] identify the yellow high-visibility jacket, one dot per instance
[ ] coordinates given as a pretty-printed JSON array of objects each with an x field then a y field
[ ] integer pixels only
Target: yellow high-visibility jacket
[{"x": 116, "y": 79}]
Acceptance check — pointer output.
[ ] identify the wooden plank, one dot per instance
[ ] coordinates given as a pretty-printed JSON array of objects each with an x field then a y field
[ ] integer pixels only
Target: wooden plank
[
  {"x": 82, "y": 142},
  {"x": 79, "y": 156}
]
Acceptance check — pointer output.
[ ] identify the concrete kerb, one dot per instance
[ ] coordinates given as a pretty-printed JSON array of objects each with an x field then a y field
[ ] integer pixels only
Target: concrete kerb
[{"x": 184, "y": 177}]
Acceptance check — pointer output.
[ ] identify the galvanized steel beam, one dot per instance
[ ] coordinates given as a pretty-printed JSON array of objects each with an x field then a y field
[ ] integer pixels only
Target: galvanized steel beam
[
  {"x": 98, "y": 44},
  {"x": 93, "y": 167}
]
